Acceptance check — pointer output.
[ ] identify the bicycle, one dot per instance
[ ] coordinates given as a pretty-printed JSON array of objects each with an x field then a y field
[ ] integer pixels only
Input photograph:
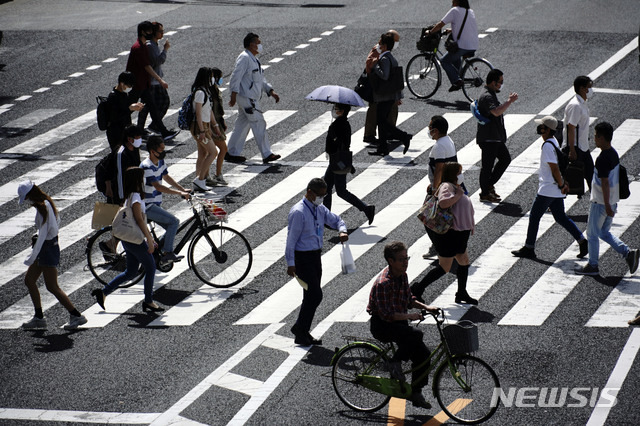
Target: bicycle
[
  {"x": 462, "y": 384},
  {"x": 424, "y": 71},
  {"x": 219, "y": 256}
]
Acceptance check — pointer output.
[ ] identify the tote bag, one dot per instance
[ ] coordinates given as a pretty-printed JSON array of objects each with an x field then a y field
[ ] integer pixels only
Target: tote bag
[
  {"x": 434, "y": 217},
  {"x": 125, "y": 227}
]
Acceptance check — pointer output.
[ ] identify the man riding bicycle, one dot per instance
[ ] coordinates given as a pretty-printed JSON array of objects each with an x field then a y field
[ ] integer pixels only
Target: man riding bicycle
[
  {"x": 155, "y": 170},
  {"x": 389, "y": 302}
]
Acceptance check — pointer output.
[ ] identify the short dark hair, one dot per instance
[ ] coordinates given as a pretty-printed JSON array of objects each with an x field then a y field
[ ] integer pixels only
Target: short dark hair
[
  {"x": 154, "y": 142},
  {"x": 394, "y": 248},
  {"x": 316, "y": 184},
  {"x": 344, "y": 108},
  {"x": 155, "y": 27},
  {"x": 133, "y": 181},
  {"x": 440, "y": 123},
  {"x": 388, "y": 40},
  {"x": 132, "y": 131},
  {"x": 580, "y": 82},
  {"x": 248, "y": 39},
  {"x": 127, "y": 78},
  {"x": 464, "y": 3},
  {"x": 494, "y": 75},
  {"x": 605, "y": 130},
  {"x": 144, "y": 27},
  {"x": 450, "y": 172}
]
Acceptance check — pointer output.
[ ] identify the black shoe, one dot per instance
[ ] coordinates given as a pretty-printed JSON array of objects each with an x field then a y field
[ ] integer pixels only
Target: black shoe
[
  {"x": 370, "y": 212},
  {"x": 525, "y": 252},
  {"x": 463, "y": 297},
  {"x": 584, "y": 248},
  {"x": 234, "y": 158},
  {"x": 406, "y": 142},
  {"x": 456, "y": 86},
  {"x": 632, "y": 258},
  {"x": 395, "y": 370},
  {"x": 170, "y": 134},
  {"x": 99, "y": 295},
  {"x": 417, "y": 399},
  {"x": 370, "y": 140},
  {"x": 151, "y": 307},
  {"x": 587, "y": 269},
  {"x": 314, "y": 341},
  {"x": 378, "y": 152},
  {"x": 271, "y": 158},
  {"x": 303, "y": 341}
]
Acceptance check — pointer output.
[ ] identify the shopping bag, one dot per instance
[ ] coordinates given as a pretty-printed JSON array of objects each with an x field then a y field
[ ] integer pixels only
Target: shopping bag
[
  {"x": 103, "y": 214},
  {"x": 125, "y": 227},
  {"x": 346, "y": 258}
]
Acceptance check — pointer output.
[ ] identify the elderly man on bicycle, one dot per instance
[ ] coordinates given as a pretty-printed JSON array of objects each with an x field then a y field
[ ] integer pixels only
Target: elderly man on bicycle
[{"x": 389, "y": 303}]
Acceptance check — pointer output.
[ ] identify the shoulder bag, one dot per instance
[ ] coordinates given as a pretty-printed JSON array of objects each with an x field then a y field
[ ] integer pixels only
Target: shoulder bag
[
  {"x": 433, "y": 216},
  {"x": 125, "y": 227},
  {"x": 363, "y": 87},
  {"x": 449, "y": 44}
]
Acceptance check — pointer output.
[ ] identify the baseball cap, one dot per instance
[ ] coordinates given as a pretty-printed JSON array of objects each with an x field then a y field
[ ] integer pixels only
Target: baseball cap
[
  {"x": 23, "y": 189},
  {"x": 548, "y": 121}
]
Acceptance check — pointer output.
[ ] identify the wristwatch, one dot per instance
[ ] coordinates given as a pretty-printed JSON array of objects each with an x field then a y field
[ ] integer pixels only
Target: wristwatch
[{"x": 562, "y": 184}]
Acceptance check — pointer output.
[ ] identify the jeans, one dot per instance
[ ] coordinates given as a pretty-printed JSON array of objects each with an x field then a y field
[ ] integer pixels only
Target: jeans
[
  {"x": 340, "y": 182},
  {"x": 168, "y": 221},
  {"x": 136, "y": 254},
  {"x": 309, "y": 269},
  {"x": 489, "y": 174},
  {"x": 598, "y": 226},
  {"x": 540, "y": 205},
  {"x": 451, "y": 63}
]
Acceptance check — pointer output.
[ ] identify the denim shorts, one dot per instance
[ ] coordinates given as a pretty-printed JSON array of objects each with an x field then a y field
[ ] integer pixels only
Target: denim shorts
[{"x": 49, "y": 255}]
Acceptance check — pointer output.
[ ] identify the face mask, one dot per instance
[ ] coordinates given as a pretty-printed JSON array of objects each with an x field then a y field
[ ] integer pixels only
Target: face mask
[
  {"x": 137, "y": 143},
  {"x": 220, "y": 81},
  {"x": 460, "y": 180},
  {"x": 378, "y": 49},
  {"x": 260, "y": 48},
  {"x": 127, "y": 89},
  {"x": 430, "y": 135},
  {"x": 161, "y": 155},
  {"x": 540, "y": 129},
  {"x": 589, "y": 92},
  {"x": 318, "y": 200},
  {"x": 396, "y": 45},
  {"x": 334, "y": 114}
]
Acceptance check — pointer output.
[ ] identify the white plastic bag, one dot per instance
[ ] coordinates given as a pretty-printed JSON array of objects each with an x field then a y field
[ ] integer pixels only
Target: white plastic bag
[{"x": 348, "y": 265}]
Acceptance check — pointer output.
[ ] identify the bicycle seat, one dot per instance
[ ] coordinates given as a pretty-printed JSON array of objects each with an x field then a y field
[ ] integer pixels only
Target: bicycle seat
[{"x": 469, "y": 55}]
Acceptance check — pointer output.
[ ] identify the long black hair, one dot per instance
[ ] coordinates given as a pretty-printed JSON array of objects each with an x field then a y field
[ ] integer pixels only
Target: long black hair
[
  {"x": 37, "y": 196},
  {"x": 133, "y": 181},
  {"x": 203, "y": 80}
]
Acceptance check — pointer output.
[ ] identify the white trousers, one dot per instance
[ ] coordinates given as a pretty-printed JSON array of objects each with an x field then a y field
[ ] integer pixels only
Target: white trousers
[{"x": 245, "y": 122}]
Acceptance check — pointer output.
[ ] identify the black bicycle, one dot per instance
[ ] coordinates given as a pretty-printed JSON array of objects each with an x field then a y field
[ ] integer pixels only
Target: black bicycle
[
  {"x": 424, "y": 71},
  {"x": 219, "y": 256}
]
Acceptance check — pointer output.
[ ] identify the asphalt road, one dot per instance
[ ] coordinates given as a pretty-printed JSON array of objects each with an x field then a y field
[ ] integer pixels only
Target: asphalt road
[{"x": 232, "y": 359}]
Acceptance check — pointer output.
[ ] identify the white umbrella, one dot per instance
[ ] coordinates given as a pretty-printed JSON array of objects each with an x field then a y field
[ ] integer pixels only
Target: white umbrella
[{"x": 336, "y": 95}]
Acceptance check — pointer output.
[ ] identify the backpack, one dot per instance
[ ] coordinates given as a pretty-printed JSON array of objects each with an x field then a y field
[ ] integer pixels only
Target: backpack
[
  {"x": 481, "y": 119},
  {"x": 187, "y": 114},
  {"x": 623, "y": 183},
  {"x": 104, "y": 173},
  {"x": 563, "y": 159},
  {"x": 102, "y": 112}
]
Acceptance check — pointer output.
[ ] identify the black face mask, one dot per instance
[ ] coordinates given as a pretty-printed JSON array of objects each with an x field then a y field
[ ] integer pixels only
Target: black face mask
[
  {"x": 161, "y": 155},
  {"x": 540, "y": 129}
]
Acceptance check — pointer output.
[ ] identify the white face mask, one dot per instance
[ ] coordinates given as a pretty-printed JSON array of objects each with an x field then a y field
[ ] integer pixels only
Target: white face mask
[
  {"x": 260, "y": 48},
  {"x": 318, "y": 200},
  {"x": 589, "y": 92},
  {"x": 396, "y": 45},
  {"x": 334, "y": 114},
  {"x": 137, "y": 143},
  {"x": 378, "y": 48},
  {"x": 430, "y": 133},
  {"x": 127, "y": 89},
  {"x": 460, "y": 180}
]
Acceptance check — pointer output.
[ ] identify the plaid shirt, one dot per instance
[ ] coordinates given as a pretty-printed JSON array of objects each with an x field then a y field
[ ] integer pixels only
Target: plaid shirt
[{"x": 389, "y": 295}]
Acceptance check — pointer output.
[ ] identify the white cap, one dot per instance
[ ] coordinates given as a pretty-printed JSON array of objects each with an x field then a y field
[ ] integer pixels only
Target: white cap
[
  {"x": 548, "y": 121},
  {"x": 23, "y": 189}
]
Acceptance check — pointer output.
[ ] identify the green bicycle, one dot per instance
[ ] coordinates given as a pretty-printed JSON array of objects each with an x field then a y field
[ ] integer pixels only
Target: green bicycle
[{"x": 463, "y": 384}]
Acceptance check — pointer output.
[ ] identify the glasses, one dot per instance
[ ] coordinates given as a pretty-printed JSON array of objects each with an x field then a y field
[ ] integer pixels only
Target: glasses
[{"x": 403, "y": 259}]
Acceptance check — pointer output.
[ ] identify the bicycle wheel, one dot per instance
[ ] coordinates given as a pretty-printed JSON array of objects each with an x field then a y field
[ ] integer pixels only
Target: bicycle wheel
[
  {"x": 356, "y": 360},
  {"x": 470, "y": 406},
  {"x": 220, "y": 256},
  {"x": 423, "y": 75},
  {"x": 106, "y": 265},
  {"x": 474, "y": 77}
]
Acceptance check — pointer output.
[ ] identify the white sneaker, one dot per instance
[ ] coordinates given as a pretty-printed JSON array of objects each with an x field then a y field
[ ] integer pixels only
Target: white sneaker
[
  {"x": 201, "y": 185},
  {"x": 35, "y": 324},
  {"x": 75, "y": 321}
]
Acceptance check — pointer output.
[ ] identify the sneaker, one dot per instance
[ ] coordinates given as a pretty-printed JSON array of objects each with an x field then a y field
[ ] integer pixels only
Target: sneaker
[
  {"x": 395, "y": 370},
  {"x": 200, "y": 185},
  {"x": 35, "y": 324},
  {"x": 209, "y": 181},
  {"x": 525, "y": 252},
  {"x": 171, "y": 257},
  {"x": 588, "y": 269},
  {"x": 584, "y": 248},
  {"x": 170, "y": 134},
  {"x": 632, "y": 260},
  {"x": 417, "y": 399},
  {"x": 219, "y": 180},
  {"x": 75, "y": 322},
  {"x": 489, "y": 198},
  {"x": 494, "y": 193}
]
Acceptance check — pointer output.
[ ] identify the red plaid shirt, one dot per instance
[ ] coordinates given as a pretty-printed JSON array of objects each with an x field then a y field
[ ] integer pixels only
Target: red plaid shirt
[{"x": 390, "y": 295}]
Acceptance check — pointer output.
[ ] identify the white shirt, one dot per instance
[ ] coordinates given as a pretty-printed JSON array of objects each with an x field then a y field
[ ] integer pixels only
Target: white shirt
[
  {"x": 206, "y": 106},
  {"x": 46, "y": 231},
  {"x": 135, "y": 198},
  {"x": 247, "y": 78},
  {"x": 443, "y": 149},
  {"x": 469, "y": 37},
  {"x": 547, "y": 184},
  {"x": 576, "y": 113}
]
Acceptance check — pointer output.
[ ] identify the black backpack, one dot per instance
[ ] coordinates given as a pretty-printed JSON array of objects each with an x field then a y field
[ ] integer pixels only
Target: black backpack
[
  {"x": 187, "y": 114},
  {"x": 563, "y": 159},
  {"x": 102, "y": 112},
  {"x": 104, "y": 172},
  {"x": 623, "y": 183}
]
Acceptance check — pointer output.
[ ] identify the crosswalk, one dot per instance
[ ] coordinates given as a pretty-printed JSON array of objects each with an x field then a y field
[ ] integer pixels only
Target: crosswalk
[{"x": 532, "y": 309}]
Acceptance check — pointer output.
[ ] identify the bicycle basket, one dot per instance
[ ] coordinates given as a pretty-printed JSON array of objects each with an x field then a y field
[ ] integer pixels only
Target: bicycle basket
[
  {"x": 428, "y": 43},
  {"x": 211, "y": 212},
  {"x": 462, "y": 337}
]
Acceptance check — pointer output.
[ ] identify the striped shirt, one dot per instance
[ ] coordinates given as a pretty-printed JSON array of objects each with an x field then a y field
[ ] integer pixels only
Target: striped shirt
[{"x": 153, "y": 173}]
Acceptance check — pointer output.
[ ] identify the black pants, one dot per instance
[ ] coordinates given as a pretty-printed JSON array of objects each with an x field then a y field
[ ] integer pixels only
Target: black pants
[
  {"x": 340, "y": 182},
  {"x": 150, "y": 108},
  {"x": 587, "y": 161},
  {"x": 490, "y": 173},
  {"x": 309, "y": 269},
  {"x": 115, "y": 136},
  {"x": 410, "y": 345},
  {"x": 387, "y": 130}
]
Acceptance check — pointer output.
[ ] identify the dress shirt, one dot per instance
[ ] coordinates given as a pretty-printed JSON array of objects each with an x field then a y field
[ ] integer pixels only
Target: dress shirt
[
  {"x": 306, "y": 228},
  {"x": 247, "y": 78}
]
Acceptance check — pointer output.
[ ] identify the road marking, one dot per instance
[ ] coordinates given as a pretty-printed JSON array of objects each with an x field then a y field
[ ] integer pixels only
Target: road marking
[
  {"x": 616, "y": 91},
  {"x": 276, "y": 60},
  {"x": 76, "y": 416},
  {"x": 327, "y": 33},
  {"x": 453, "y": 408},
  {"x": 28, "y": 121},
  {"x": 339, "y": 27},
  {"x": 108, "y": 60},
  {"x": 93, "y": 67},
  {"x": 42, "y": 89},
  {"x": 76, "y": 74},
  {"x": 622, "y": 305},
  {"x": 59, "y": 82},
  {"x": 23, "y": 98},
  {"x": 397, "y": 407},
  {"x": 302, "y": 46},
  {"x": 315, "y": 39},
  {"x": 616, "y": 380}
]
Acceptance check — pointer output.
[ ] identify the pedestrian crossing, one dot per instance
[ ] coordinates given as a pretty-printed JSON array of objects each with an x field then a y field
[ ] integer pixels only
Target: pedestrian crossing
[{"x": 532, "y": 309}]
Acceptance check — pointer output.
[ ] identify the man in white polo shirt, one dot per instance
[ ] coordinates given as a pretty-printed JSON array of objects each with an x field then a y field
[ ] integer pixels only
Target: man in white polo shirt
[{"x": 576, "y": 121}]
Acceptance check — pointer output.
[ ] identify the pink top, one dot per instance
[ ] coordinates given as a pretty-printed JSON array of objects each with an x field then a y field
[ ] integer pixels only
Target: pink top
[{"x": 462, "y": 209}]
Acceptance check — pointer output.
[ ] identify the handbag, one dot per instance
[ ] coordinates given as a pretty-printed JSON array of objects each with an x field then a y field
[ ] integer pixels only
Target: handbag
[
  {"x": 125, "y": 227},
  {"x": 433, "y": 216},
  {"x": 341, "y": 162},
  {"x": 363, "y": 87},
  {"x": 346, "y": 259},
  {"x": 449, "y": 44},
  {"x": 103, "y": 214}
]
